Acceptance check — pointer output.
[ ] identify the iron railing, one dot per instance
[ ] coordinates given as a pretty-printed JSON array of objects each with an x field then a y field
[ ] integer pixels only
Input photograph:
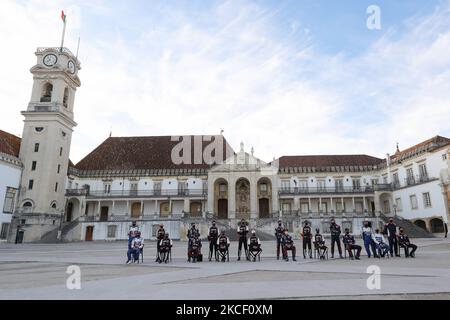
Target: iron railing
[{"x": 136, "y": 193}]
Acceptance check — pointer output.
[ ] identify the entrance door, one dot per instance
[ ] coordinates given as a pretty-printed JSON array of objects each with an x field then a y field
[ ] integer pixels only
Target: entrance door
[
  {"x": 69, "y": 212},
  {"x": 222, "y": 209},
  {"x": 89, "y": 233},
  {"x": 19, "y": 238},
  {"x": 104, "y": 214},
  {"x": 136, "y": 210},
  {"x": 264, "y": 208}
]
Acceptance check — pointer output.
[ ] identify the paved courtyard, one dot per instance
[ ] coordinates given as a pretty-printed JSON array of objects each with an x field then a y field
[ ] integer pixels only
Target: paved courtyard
[{"x": 39, "y": 272}]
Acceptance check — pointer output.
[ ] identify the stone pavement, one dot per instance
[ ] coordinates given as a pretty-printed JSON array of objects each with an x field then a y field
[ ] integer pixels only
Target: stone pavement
[{"x": 38, "y": 271}]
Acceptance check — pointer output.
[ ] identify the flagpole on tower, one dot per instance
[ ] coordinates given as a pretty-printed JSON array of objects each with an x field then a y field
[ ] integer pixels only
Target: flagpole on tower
[{"x": 64, "y": 19}]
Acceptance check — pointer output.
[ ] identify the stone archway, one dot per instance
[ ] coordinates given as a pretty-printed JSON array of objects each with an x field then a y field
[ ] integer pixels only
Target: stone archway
[
  {"x": 242, "y": 199},
  {"x": 264, "y": 194},
  {"x": 437, "y": 225},
  {"x": 421, "y": 224},
  {"x": 386, "y": 203},
  {"x": 72, "y": 210},
  {"x": 221, "y": 198}
]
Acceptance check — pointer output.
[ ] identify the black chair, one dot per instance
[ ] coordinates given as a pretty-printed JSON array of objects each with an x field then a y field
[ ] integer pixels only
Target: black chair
[
  {"x": 141, "y": 256},
  {"x": 346, "y": 250},
  {"x": 165, "y": 255},
  {"x": 223, "y": 254},
  {"x": 255, "y": 254},
  {"x": 318, "y": 254}
]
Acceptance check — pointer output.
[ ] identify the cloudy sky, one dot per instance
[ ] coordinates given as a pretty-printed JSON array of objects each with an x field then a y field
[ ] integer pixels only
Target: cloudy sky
[{"x": 287, "y": 77}]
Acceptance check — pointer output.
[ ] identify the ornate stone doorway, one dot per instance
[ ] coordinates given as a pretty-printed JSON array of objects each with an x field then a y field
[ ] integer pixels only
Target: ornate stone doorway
[{"x": 243, "y": 199}]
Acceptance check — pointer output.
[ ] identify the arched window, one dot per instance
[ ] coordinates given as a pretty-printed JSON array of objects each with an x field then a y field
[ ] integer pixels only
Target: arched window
[
  {"x": 66, "y": 97},
  {"x": 53, "y": 205},
  {"x": 47, "y": 92},
  {"x": 27, "y": 204}
]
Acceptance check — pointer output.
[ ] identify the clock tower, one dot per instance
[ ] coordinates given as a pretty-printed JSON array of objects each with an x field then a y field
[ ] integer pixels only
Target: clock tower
[{"x": 45, "y": 146}]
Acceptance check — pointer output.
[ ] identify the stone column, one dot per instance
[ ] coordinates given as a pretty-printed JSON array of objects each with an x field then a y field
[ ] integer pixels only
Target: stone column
[
  {"x": 186, "y": 205},
  {"x": 232, "y": 198},
  {"x": 253, "y": 199},
  {"x": 113, "y": 208}
]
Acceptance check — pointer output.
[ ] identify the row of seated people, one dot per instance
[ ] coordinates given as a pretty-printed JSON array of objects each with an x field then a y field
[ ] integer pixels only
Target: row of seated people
[{"x": 219, "y": 243}]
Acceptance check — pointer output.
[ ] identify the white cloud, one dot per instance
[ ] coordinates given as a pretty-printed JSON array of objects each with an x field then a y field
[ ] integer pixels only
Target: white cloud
[{"x": 229, "y": 69}]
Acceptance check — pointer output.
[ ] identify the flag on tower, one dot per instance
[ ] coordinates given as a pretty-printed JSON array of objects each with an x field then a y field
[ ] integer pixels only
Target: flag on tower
[{"x": 63, "y": 16}]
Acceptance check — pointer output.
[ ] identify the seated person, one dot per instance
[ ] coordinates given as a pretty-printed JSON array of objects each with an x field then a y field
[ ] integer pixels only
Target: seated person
[
  {"x": 403, "y": 241},
  {"x": 254, "y": 245},
  {"x": 380, "y": 244},
  {"x": 132, "y": 233},
  {"x": 135, "y": 248},
  {"x": 223, "y": 243},
  {"x": 195, "y": 246},
  {"x": 288, "y": 245},
  {"x": 319, "y": 244},
  {"x": 165, "y": 246},
  {"x": 349, "y": 244}
]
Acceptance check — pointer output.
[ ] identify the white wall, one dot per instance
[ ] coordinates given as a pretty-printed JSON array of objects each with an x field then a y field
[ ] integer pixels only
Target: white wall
[{"x": 9, "y": 177}]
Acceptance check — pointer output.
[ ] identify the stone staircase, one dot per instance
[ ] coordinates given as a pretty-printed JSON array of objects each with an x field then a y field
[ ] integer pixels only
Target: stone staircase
[
  {"x": 52, "y": 236},
  {"x": 410, "y": 228}
]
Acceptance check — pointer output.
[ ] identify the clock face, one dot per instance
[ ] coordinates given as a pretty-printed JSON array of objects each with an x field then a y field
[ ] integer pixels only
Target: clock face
[
  {"x": 71, "y": 67},
  {"x": 50, "y": 60}
]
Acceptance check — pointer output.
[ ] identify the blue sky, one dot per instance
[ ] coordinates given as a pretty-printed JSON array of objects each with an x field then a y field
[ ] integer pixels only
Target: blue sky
[{"x": 287, "y": 77}]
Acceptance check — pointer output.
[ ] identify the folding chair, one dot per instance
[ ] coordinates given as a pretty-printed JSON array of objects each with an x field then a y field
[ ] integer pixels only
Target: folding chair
[
  {"x": 255, "y": 254},
  {"x": 346, "y": 250},
  {"x": 223, "y": 254}
]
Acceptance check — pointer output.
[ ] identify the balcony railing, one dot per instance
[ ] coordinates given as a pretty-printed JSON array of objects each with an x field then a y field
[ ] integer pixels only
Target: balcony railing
[
  {"x": 333, "y": 190},
  {"x": 419, "y": 179},
  {"x": 137, "y": 193}
]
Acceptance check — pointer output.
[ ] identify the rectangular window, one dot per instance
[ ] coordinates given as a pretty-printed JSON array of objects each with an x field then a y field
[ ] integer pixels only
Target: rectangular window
[
  {"x": 157, "y": 188},
  {"x": 356, "y": 184},
  {"x": 324, "y": 208},
  {"x": 107, "y": 188},
  {"x": 182, "y": 187},
  {"x": 286, "y": 207},
  {"x": 60, "y": 151},
  {"x": 134, "y": 189},
  {"x": 112, "y": 231},
  {"x": 413, "y": 201},
  {"x": 33, "y": 166},
  {"x": 321, "y": 185},
  {"x": 398, "y": 203},
  {"x": 340, "y": 206},
  {"x": 396, "y": 180},
  {"x": 444, "y": 156},
  {"x": 426, "y": 200},
  {"x": 8, "y": 206},
  {"x": 410, "y": 176},
  {"x": 263, "y": 187},
  {"x": 339, "y": 184},
  {"x": 423, "y": 173},
  {"x": 304, "y": 207},
  {"x": 303, "y": 185},
  {"x": 285, "y": 185},
  {"x": 4, "y": 231},
  {"x": 56, "y": 187},
  {"x": 30, "y": 184},
  {"x": 36, "y": 147},
  {"x": 359, "y": 207},
  {"x": 59, "y": 168}
]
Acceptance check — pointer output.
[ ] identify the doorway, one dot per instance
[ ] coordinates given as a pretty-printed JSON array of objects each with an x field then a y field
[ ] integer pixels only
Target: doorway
[
  {"x": 222, "y": 209},
  {"x": 264, "y": 208},
  {"x": 104, "y": 214},
  {"x": 136, "y": 210},
  {"x": 69, "y": 212},
  {"x": 89, "y": 233}
]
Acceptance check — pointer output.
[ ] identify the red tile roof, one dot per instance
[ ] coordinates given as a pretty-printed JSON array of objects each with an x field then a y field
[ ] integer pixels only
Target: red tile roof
[
  {"x": 328, "y": 161},
  {"x": 128, "y": 153},
  {"x": 9, "y": 144},
  {"x": 435, "y": 142}
]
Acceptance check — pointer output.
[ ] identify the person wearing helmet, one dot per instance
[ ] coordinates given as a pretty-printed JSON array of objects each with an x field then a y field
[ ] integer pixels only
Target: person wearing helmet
[
  {"x": 335, "y": 231},
  {"x": 288, "y": 245},
  {"x": 159, "y": 236},
  {"x": 136, "y": 246},
  {"x": 307, "y": 237},
  {"x": 390, "y": 229},
  {"x": 278, "y": 235},
  {"x": 223, "y": 244},
  {"x": 319, "y": 244},
  {"x": 195, "y": 246},
  {"x": 242, "y": 231},
  {"x": 254, "y": 245},
  {"x": 191, "y": 234},
  {"x": 403, "y": 241},
  {"x": 165, "y": 248},
  {"x": 350, "y": 244},
  {"x": 132, "y": 233},
  {"x": 367, "y": 238},
  {"x": 212, "y": 238},
  {"x": 380, "y": 243}
]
